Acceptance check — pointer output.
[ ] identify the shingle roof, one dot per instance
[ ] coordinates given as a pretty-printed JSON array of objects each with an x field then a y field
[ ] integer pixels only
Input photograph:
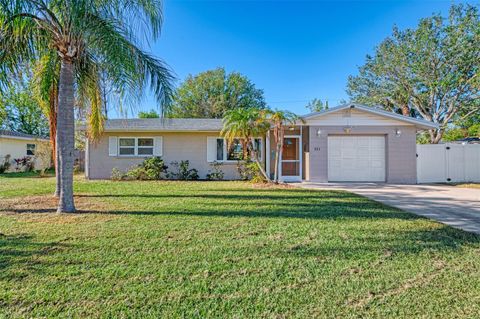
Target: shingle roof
[
  {"x": 375, "y": 110},
  {"x": 6, "y": 133},
  {"x": 163, "y": 125}
]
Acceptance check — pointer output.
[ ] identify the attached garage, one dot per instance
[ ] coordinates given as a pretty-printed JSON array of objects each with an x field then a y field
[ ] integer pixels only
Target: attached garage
[
  {"x": 356, "y": 159},
  {"x": 357, "y": 143}
]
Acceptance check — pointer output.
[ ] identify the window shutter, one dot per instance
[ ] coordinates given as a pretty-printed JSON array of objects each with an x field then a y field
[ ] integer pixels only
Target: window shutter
[
  {"x": 112, "y": 145},
  {"x": 158, "y": 146},
  {"x": 211, "y": 149}
]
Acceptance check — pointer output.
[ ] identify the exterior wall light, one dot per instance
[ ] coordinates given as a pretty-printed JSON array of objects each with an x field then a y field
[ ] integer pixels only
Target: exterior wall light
[
  {"x": 347, "y": 129},
  {"x": 398, "y": 132},
  {"x": 319, "y": 132},
  {"x": 291, "y": 128}
]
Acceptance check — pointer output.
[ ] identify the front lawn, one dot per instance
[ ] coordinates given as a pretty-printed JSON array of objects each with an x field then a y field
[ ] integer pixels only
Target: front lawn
[{"x": 226, "y": 249}]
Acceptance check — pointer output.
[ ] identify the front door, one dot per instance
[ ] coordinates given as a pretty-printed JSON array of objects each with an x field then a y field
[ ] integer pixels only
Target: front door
[{"x": 290, "y": 168}]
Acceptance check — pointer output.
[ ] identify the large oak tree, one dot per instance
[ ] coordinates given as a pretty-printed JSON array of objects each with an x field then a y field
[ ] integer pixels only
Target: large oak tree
[
  {"x": 212, "y": 93},
  {"x": 430, "y": 72}
]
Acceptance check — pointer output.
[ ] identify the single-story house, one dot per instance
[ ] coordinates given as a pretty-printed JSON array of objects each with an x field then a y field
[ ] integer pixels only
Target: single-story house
[
  {"x": 19, "y": 145},
  {"x": 348, "y": 143}
]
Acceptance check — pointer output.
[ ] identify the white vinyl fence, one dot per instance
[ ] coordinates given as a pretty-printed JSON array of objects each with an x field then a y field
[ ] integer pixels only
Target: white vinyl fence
[{"x": 448, "y": 163}]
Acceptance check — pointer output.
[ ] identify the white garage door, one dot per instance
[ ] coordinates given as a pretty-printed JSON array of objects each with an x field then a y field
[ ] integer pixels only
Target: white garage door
[{"x": 356, "y": 158}]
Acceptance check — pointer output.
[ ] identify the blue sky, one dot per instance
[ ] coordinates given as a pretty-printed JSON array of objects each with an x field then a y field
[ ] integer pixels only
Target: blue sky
[{"x": 293, "y": 50}]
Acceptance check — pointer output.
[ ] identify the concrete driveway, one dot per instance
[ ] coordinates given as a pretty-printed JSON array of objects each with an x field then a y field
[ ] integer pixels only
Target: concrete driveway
[{"x": 454, "y": 206}]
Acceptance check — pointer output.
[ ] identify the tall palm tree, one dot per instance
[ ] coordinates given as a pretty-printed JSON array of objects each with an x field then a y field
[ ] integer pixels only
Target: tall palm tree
[
  {"x": 279, "y": 120},
  {"x": 246, "y": 124},
  {"x": 46, "y": 72},
  {"x": 84, "y": 34}
]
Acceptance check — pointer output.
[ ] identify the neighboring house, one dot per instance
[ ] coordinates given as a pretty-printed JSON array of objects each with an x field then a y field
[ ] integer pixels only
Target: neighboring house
[
  {"x": 347, "y": 143},
  {"x": 19, "y": 145}
]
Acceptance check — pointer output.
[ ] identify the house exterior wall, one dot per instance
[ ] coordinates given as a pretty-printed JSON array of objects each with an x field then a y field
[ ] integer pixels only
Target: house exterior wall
[
  {"x": 177, "y": 146},
  {"x": 17, "y": 148},
  {"x": 400, "y": 157}
]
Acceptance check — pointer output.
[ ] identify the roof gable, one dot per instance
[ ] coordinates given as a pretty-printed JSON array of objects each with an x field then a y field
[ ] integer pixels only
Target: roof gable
[{"x": 361, "y": 115}]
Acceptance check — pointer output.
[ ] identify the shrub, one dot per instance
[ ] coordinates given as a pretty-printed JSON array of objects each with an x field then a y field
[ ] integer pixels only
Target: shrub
[
  {"x": 183, "y": 172},
  {"x": 474, "y": 130},
  {"x": 6, "y": 164},
  {"x": 249, "y": 171},
  {"x": 150, "y": 169},
  {"x": 154, "y": 167},
  {"x": 215, "y": 174},
  {"x": 136, "y": 173},
  {"x": 25, "y": 164},
  {"x": 116, "y": 175}
]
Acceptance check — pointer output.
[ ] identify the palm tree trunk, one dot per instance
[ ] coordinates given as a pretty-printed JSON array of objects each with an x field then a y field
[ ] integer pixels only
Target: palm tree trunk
[
  {"x": 278, "y": 154},
  {"x": 57, "y": 168},
  {"x": 52, "y": 119},
  {"x": 277, "y": 162},
  {"x": 280, "y": 149},
  {"x": 65, "y": 136},
  {"x": 53, "y": 133},
  {"x": 255, "y": 158}
]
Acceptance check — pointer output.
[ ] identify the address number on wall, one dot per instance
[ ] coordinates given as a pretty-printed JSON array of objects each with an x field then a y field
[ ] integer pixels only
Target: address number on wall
[{"x": 316, "y": 149}]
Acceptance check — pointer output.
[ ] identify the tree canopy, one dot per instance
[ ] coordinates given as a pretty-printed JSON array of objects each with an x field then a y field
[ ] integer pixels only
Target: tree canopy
[
  {"x": 19, "y": 109},
  {"x": 212, "y": 93},
  {"x": 430, "y": 72},
  {"x": 317, "y": 105},
  {"x": 152, "y": 114}
]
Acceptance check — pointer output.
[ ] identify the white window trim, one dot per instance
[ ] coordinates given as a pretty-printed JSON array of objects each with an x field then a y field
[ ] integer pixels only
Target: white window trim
[
  {"x": 135, "y": 147},
  {"x": 225, "y": 150}
]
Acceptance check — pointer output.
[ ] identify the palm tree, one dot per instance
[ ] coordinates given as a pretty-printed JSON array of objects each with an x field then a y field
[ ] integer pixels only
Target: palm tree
[
  {"x": 46, "y": 72},
  {"x": 246, "y": 124},
  {"x": 279, "y": 120},
  {"x": 84, "y": 34}
]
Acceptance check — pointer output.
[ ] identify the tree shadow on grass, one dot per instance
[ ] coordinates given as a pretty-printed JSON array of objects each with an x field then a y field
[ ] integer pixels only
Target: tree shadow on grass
[
  {"x": 20, "y": 255},
  {"x": 331, "y": 206},
  {"x": 387, "y": 244}
]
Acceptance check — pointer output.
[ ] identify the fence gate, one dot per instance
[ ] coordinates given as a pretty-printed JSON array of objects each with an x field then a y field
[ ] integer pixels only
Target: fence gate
[{"x": 444, "y": 163}]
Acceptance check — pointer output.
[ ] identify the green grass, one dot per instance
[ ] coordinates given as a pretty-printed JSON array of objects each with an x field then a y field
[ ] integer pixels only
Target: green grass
[{"x": 226, "y": 250}]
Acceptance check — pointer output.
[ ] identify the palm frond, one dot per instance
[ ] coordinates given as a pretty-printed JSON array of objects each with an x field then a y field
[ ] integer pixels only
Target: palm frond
[{"x": 129, "y": 68}]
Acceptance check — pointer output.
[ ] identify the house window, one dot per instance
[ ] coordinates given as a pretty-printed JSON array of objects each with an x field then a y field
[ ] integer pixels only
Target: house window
[
  {"x": 31, "y": 149},
  {"x": 126, "y": 146},
  {"x": 233, "y": 151},
  {"x": 132, "y": 146},
  {"x": 145, "y": 146}
]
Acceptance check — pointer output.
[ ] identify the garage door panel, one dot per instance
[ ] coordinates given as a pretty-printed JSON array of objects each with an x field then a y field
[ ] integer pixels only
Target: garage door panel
[
  {"x": 363, "y": 164},
  {"x": 363, "y": 142},
  {"x": 336, "y": 152},
  {"x": 363, "y": 152},
  {"x": 377, "y": 142},
  {"x": 356, "y": 158},
  {"x": 348, "y": 152},
  {"x": 377, "y": 164}
]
